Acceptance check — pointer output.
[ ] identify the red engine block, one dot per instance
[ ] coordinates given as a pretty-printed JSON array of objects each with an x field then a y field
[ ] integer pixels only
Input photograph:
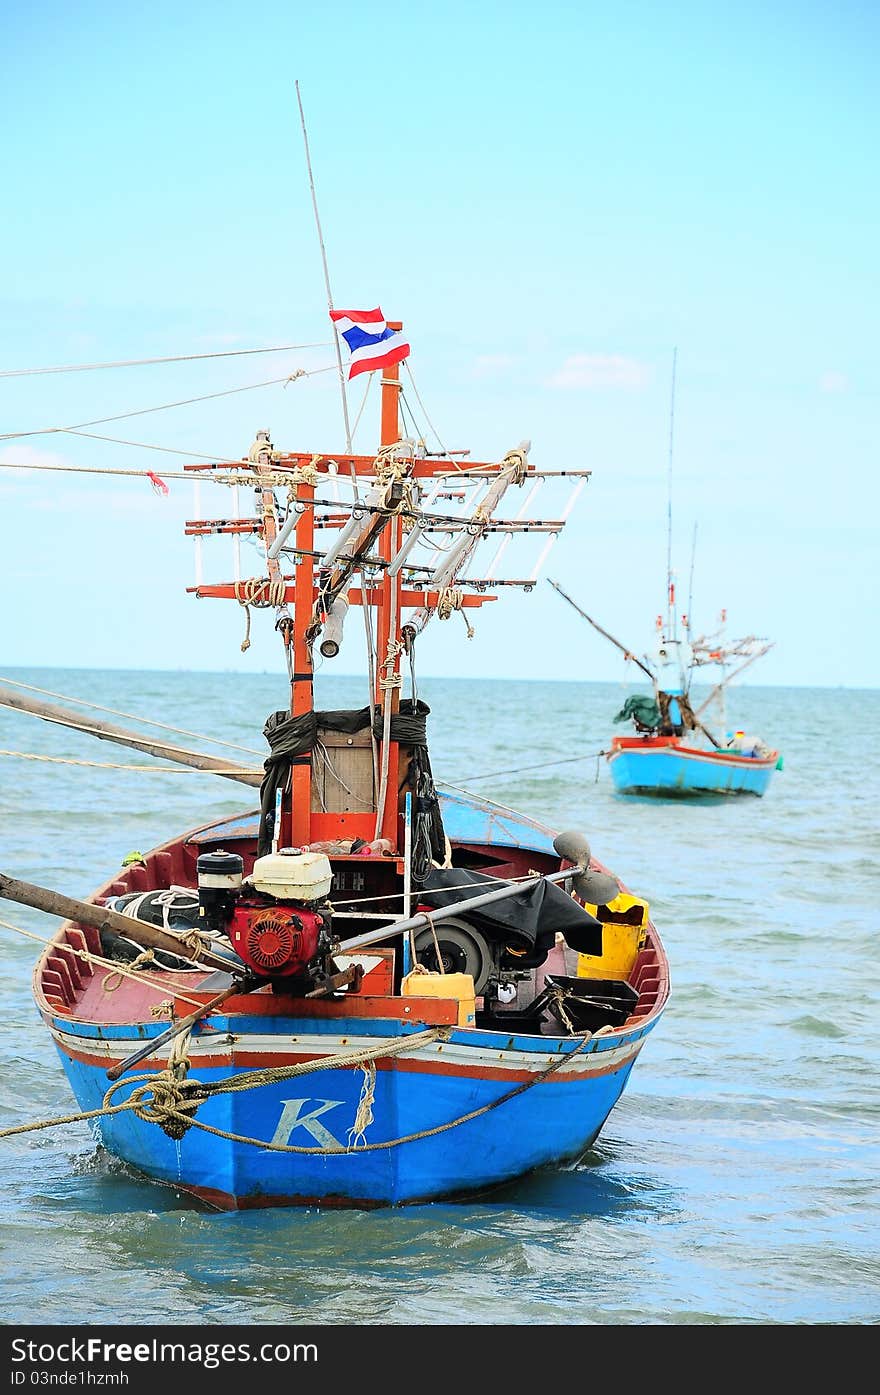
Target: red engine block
[{"x": 276, "y": 940}]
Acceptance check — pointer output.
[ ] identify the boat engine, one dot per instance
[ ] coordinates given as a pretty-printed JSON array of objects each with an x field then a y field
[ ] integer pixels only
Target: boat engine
[{"x": 278, "y": 919}]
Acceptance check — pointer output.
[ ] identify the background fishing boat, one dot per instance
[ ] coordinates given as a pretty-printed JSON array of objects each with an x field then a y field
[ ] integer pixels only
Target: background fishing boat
[
  {"x": 359, "y": 993},
  {"x": 674, "y": 752}
]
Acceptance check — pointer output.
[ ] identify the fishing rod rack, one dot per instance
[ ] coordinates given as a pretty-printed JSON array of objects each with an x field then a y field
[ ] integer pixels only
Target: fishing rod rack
[
  {"x": 393, "y": 546},
  {"x": 708, "y": 649}
]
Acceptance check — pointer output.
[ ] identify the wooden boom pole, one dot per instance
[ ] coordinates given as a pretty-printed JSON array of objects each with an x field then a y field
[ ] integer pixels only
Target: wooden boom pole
[{"x": 106, "y": 731}]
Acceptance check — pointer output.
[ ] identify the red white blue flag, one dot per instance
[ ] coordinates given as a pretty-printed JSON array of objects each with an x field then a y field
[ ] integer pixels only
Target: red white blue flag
[{"x": 372, "y": 344}]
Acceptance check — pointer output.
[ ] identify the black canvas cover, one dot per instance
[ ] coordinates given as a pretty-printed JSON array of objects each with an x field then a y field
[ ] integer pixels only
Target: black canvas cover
[{"x": 531, "y": 918}]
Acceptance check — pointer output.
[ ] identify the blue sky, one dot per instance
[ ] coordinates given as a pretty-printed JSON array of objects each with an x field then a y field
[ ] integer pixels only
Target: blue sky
[{"x": 553, "y": 199}]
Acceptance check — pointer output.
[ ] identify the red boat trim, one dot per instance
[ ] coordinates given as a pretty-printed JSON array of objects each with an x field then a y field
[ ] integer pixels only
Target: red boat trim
[
  {"x": 262, "y": 1060},
  {"x": 662, "y": 745}
]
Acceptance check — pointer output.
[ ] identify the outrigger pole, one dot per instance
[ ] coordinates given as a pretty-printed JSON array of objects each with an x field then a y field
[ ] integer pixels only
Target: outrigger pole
[
  {"x": 729, "y": 678},
  {"x": 622, "y": 647}
]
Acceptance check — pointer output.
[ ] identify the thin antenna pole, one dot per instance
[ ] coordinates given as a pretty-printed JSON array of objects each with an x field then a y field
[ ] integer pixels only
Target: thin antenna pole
[
  {"x": 326, "y": 272},
  {"x": 669, "y": 592},
  {"x": 691, "y": 584}
]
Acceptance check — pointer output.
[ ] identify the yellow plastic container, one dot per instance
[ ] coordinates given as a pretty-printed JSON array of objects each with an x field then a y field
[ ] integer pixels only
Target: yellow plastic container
[
  {"x": 624, "y": 928},
  {"x": 459, "y": 986}
]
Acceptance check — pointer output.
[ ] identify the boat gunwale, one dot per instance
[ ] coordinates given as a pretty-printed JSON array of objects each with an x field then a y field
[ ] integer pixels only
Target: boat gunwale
[
  {"x": 632, "y": 1027},
  {"x": 673, "y": 746}
]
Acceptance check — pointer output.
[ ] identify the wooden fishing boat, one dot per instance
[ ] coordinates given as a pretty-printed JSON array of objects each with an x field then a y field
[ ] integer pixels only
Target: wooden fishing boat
[
  {"x": 371, "y": 990},
  {"x": 667, "y": 765},
  {"x": 674, "y": 754}
]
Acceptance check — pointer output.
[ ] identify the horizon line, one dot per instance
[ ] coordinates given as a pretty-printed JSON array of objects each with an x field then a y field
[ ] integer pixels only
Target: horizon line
[{"x": 443, "y": 678}]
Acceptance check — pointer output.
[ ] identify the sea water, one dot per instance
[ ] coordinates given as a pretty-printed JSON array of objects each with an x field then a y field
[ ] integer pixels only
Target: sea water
[{"x": 737, "y": 1181}]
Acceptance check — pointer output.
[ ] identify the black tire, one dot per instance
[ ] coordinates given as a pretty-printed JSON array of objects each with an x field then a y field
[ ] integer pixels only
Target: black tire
[{"x": 463, "y": 950}]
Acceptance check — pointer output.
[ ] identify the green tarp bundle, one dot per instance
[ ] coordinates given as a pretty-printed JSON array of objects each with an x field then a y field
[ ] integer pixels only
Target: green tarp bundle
[{"x": 642, "y": 710}]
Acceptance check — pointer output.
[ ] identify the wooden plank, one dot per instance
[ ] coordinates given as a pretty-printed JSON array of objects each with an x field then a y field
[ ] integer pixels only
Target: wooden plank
[{"x": 343, "y": 782}]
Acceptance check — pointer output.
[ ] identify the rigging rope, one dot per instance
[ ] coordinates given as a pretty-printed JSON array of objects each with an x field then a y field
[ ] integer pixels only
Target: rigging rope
[
  {"x": 141, "y": 362},
  {"x": 164, "y": 407},
  {"x": 168, "y": 450},
  {"x": 142, "y": 769},
  {"x": 446, "y": 453}
]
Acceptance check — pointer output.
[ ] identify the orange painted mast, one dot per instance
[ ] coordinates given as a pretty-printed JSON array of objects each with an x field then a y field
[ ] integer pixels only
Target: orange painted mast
[
  {"x": 388, "y": 626},
  {"x": 302, "y": 677},
  {"x": 336, "y": 789}
]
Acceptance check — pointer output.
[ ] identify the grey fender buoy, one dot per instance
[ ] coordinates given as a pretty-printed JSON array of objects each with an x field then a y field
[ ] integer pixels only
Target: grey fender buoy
[
  {"x": 573, "y": 846},
  {"x": 596, "y": 888}
]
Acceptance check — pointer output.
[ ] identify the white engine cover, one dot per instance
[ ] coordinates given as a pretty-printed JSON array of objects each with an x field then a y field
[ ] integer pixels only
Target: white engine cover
[{"x": 292, "y": 875}]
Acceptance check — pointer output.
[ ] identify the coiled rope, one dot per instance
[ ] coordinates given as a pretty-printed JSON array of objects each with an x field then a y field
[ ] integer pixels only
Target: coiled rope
[{"x": 258, "y": 592}]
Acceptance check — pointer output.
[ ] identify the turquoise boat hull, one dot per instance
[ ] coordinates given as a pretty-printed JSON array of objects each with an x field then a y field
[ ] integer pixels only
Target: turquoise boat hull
[{"x": 665, "y": 767}]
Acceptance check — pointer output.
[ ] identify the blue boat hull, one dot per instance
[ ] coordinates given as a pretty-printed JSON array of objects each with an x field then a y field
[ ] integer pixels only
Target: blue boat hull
[
  {"x": 552, "y": 1121},
  {"x": 674, "y": 772},
  {"x": 387, "y": 1102}
]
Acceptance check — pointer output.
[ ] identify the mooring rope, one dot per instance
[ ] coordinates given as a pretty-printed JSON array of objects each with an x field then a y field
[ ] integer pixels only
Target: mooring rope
[
  {"x": 160, "y": 1098},
  {"x": 539, "y": 765},
  {"x": 111, "y": 765}
]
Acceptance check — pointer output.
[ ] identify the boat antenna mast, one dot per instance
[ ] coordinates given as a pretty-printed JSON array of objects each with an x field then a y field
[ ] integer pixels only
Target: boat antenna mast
[
  {"x": 671, "y": 619},
  {"x": 670, "y": 592},
  {"x": 326, "y": 270},
  {"x": 688, "y": 624}
]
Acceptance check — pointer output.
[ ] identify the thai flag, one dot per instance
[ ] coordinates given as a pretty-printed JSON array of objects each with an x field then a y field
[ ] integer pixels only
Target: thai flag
[{"x": 372, "y": 344}]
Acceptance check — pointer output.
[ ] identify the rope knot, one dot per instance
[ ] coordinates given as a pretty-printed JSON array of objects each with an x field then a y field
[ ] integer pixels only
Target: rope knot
[
  {"x": 166, "y": 1101},
  {"x": 517, "y": 462},
  {"x": 449, "y": 600}
]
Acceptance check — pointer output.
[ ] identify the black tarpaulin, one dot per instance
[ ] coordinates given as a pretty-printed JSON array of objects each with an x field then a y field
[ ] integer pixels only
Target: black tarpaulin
[
  {"x": 530, "y": 918},
  {"x": 292, "y": 738}
]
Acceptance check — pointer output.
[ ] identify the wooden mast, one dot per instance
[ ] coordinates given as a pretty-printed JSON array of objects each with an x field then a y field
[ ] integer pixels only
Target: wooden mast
[
  {"x": 303, "y": 823},
  {"x": 388, "y": 619},
  {"x": 334, "y": 791},
  {"x": 302, "y": 677}
]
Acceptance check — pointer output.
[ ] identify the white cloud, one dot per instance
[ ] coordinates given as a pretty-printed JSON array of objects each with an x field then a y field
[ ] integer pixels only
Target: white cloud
[
  {"x": 220, "y": 341},
  {"x": 600, "y": 371},
  {"x": 488, "y": 365},
  {"x": 15, "y": 453},
  {"x": 833, "y": 382}
]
